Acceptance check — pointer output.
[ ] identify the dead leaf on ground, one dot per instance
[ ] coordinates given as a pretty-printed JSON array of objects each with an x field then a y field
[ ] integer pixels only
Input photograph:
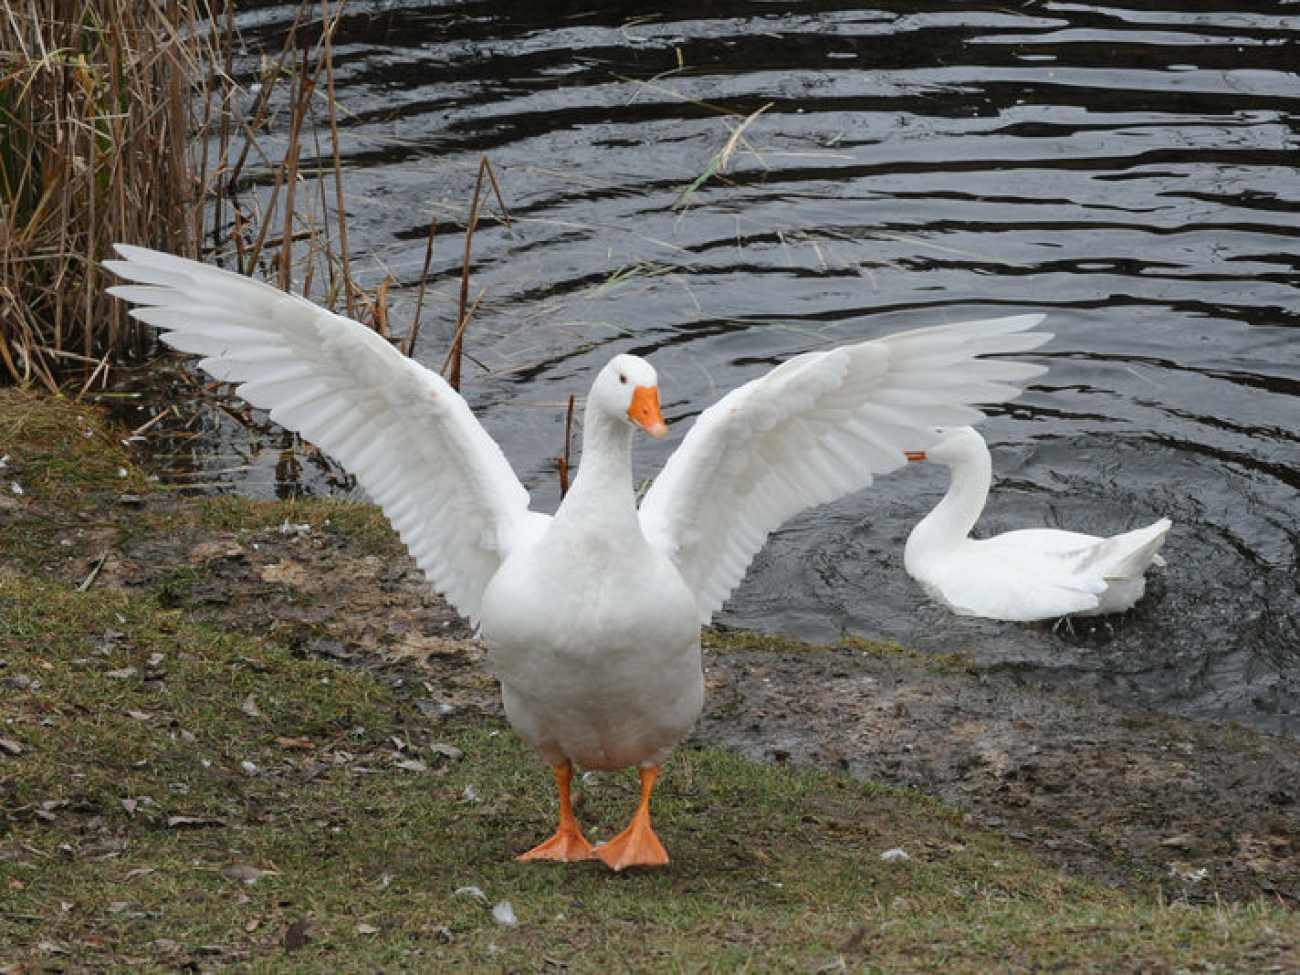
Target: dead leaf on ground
[
  {"x": 216, "y": 548},
  {"x": 247, "y": 873},
  {"x": 286, "y": 572},
  {"x": 297, "y": 934}
]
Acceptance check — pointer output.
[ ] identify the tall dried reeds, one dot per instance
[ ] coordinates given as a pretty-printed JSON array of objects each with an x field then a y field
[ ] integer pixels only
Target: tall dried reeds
[
  {"x": 122, "y": 121},
  {"x": 97, "y": 111}
]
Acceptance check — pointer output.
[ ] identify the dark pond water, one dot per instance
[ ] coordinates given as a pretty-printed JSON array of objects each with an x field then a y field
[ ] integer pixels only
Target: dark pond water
[{"x": 1128, "y": 168}]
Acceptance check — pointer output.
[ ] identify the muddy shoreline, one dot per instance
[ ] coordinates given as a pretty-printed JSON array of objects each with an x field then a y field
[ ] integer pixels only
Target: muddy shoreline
[{"x": 1202, "y": 810}]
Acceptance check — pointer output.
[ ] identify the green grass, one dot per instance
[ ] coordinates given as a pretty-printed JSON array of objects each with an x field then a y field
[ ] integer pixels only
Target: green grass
[
  {"x": 136, "y": 832},
  {"x": 177, "y": 796}
]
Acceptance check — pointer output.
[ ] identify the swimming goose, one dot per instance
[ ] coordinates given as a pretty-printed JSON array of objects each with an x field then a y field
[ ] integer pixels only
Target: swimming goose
[
  {"x": 592, "y": 616},
  {"x": 1019, "y": 576}
]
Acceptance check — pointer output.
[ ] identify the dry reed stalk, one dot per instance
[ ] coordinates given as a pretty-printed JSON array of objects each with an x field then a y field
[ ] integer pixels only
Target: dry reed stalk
[
  {"x": 413, "y": 336},
  {"x": 465, "y": 310},
  {"x": 718, "y": 164},
  {"x": 563, "y": 463},
  {"x": 262, "y": 205},
  {"x": 125, "y": 122},
  {"x": 287, "y": 170},
  {"x": 327, "y": 57}
]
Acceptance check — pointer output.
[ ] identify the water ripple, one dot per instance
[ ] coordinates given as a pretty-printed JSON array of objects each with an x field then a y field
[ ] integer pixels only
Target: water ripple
[{"x": 1129, "y": 170}]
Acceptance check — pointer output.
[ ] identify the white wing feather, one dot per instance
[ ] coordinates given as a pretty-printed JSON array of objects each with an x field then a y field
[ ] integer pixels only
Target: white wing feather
[
  {"x": 408, "y": 437},
  {"x": 814, "y": 429},
  {"x": 1007, "y": 592}
]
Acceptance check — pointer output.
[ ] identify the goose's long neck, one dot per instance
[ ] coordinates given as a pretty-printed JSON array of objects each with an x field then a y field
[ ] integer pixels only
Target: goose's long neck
[
  {"x": 602, "y": 487},
  {"x": 953, "y": 518}
]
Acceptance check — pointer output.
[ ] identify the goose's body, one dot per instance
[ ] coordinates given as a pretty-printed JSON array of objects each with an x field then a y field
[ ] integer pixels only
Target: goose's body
[
  {"x": 591, "y": 617},
  {"x": 589, "y": 623},
  {"x": 1018, "y": 576}
]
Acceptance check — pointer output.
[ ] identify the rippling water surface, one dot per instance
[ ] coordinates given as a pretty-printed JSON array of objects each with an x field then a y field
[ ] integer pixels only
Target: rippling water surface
[{"x": 1129, "y": 168}]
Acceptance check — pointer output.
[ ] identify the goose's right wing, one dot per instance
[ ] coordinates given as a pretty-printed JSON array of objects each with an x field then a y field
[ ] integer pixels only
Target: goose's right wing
[
  {"x": 815, "y": 428},
  {"x": 407, "y": 436},
  {"x": 1005, "y": 583}
]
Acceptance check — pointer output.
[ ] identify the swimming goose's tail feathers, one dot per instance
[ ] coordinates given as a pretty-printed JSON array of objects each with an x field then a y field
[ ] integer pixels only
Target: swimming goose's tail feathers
[{"x": 1130, "y": 554}]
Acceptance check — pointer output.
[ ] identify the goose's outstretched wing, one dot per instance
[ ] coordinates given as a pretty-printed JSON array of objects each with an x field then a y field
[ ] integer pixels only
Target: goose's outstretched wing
[
  {"x": 814, "y": 429},
  {"x": 407, "y": 436}
]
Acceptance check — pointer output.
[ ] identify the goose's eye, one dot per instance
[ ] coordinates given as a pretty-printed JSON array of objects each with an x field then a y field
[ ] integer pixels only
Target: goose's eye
[{"x": 622, "y": 378}]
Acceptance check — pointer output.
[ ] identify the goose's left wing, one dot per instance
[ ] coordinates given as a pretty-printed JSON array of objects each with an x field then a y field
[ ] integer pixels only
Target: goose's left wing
[
  {"x": 816, "y": 428},
  {"x": 409, "y": 438}
]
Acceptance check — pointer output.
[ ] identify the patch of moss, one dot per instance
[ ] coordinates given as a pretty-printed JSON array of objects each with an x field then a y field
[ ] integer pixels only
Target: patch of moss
[{"x": 61, "y": 452}]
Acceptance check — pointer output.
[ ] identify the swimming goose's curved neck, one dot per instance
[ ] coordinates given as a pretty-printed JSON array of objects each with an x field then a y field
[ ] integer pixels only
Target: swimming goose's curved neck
[{"x": 953, "y": 518}]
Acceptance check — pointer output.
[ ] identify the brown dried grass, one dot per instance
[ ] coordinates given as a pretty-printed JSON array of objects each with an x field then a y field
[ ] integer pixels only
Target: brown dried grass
[{"x": 122, "y": 121}]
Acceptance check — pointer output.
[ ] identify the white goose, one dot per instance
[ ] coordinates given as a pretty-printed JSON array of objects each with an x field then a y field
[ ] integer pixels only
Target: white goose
[
  {"x": 591, "y": 617},
  {"x": 1019, "y": 576}
]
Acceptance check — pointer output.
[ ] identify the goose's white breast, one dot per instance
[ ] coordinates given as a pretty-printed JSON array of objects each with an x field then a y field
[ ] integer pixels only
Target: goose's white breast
[{"x": 597, "y": 650}]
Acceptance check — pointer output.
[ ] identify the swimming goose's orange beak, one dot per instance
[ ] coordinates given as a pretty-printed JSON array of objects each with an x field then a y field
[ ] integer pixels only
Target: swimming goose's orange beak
[
  {"x": 644, "y": 411},
  {"x": 914, "y": 454}
]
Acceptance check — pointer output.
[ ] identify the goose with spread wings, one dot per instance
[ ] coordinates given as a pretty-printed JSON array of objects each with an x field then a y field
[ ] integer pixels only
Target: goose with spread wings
[{"x": 591, "y": 616}]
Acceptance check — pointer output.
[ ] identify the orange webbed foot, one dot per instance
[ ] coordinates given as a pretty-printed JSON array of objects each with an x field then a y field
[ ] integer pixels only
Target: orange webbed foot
[
  {"x": 636, "y": 846},
  {"x": 566, "y": 846}
]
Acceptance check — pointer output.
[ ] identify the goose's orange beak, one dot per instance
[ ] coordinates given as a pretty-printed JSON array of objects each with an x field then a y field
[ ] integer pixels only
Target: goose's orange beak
[
  {"x": 644, "y": 411},
  {"x": 914, "y": 454}
]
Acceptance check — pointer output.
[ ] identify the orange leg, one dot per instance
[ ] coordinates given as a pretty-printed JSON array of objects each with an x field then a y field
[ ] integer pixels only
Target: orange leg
[
  {"x": 636, "y": 846},
  {"x": 568, "y": 843}
]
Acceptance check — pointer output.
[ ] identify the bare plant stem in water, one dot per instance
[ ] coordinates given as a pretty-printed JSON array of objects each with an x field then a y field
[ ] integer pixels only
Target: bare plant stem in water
[
  {"x": 414, "y": 334},
  {"x": 564, "y": 461},
  {"x": 464, "y": 310},
  {"x": 344, "y": 262},
  {"x": 718, "y": 164}
]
